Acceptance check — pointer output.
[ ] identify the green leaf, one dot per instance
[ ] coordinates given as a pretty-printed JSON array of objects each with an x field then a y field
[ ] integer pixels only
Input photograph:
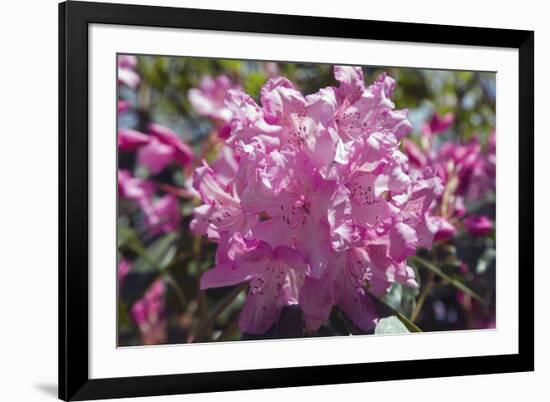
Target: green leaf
[
  {"x": 253, "y": 83},
  {"x": 155, "y": 256},
  {"x": 390, "y": 325},
  {"x": 420, "y": 262},
  {"x": 231, "y": 65},
  {"x": 124, "y": 320},
  {"x": 385, "y": 310},
  {"x": 203, "y": 329},
  {"x": 152, "y": 263}
]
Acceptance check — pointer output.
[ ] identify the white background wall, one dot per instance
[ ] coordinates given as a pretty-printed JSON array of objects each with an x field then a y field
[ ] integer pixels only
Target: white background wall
[{"x": 28, "y": 198}]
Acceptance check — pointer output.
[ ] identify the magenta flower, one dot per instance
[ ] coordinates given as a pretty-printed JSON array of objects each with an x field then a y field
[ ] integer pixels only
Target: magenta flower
[
  {"x": 124, "y": 268},
  {"x": 149, "y": 313},
  {"x": 123, "y": 106},
  {"x": 221, "y": 211},
  {"x": 163, "y": 215},
  {"x": 417, "y": 157},
  {"x": 275, "y": 277},
  {"x": 155, "y": 156},
  {"x": 163, "y": 147},
  {"x": 478, "y": 225},
  {"x": 467, "y": 170},
  {"x": 129, "y": 140},
  {"x": 446, "y": 230},
  {"x": 183, "y": 154},
  {"x": 314, "y": 205},
  {"x": 134, "y": 188},
  {"x": 470, "y": 165},
  {"x": 126, "y": 71},
  {"x": 439, "y": 124},
  {"x": 208, "y": 99},
  {"x": 127, "y": 61}
]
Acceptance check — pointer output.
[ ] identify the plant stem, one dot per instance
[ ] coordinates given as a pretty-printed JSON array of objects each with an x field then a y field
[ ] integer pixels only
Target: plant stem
[
  {"x": 177, "y": 289},
  {"x": 456, "y": 283},
  {"x": 231, "y": 329},
  {"x": 408, "y": 323},
  {"x": 422, "y": 297},
  {"x": 220, "y": 308}
]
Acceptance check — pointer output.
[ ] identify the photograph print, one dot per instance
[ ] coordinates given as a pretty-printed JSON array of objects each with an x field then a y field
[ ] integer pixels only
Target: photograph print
[{"x": 274, "y": 200}]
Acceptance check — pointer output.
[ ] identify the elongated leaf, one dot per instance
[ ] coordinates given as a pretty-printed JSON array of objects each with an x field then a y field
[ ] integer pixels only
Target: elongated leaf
[
  {"x": 152, "y": 262},
  {"x": 385, "y": 310},
  {"x": 390, "y": 325},
  {"x": 153, "y": 257},
  {"x": 222, "y": 305},
  {"x": 422, "y": 263}
]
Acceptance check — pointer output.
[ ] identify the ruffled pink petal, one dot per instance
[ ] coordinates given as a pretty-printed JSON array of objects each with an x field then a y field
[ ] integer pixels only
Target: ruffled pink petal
[
  {"x": 225, "y": 275},
  {"x": 403, "y": 241},
  {"x": 359, "y": 308},
  {"x": 261, "y": 308},
  {"x": 316, "y": 301}
]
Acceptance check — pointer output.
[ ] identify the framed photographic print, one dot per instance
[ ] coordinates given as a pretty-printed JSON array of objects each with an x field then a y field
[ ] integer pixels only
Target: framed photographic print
[{"x": 256, "y": 200}]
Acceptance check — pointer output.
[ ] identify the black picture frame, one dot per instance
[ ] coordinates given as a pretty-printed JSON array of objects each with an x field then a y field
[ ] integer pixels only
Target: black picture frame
[{"x": 74, "y": 19}]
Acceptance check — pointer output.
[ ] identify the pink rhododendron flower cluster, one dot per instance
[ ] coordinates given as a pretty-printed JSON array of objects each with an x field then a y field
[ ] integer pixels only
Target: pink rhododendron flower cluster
[
  {"x": 466, "y": 170},
  {"x": 314, "y": 205}
]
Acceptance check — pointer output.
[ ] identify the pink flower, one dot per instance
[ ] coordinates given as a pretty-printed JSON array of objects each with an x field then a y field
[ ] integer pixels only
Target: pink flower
[
  {"x": 163, "y": 215},
  {"x": 417, "y": 157},
  {"x": 130, "y": 140},
  {"x": 149, "y": 313},
  {"x": 446, "y": 230},
  {"x": 163, "y": 147},
  {"x": 208, "y": 99},
  {"x": 275, "y": 277},
  {"x": 320, "y": 209},
  {"x": 470, "y": 164},
  {"x": 349, "y": 280},
  {"x": 466, "y": 169},
  {"x": 478, "y": 225},
  {"x": 124, "y": 268},
  {"x": 126, "y": 71},
  {"x": 221, "y": 212},
  {"x": 123, "y": 106},
  {"x": 127, "y": 61},
  {"x": 155, "y": 156},
  {"x": 439, "y": 124},
  {"x": 183, "y": 154},
  {"x": 134, "y": 188}
]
